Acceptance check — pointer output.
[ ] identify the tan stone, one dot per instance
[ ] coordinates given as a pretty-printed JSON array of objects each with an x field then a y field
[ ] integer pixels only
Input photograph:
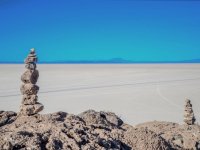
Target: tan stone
[
  {"x": 29, "y": 89},
  {"x": 189, "y": 117},
  {"x": 31, "y": 109},
  {"x": 30, "y": 76},
  {"x": 29, "y": 99}
]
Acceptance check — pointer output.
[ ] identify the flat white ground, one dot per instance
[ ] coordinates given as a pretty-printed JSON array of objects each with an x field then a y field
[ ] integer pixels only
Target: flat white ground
[{"x": 136, "y": 92}]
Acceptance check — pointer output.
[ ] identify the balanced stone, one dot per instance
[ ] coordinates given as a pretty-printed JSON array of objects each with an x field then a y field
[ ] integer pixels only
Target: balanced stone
[
  {"x": 30, "y": 76},
  {"x": 29, "y": 99},
  {"x": 32, "y": 57},
  {"x": 189, "y": 117},
  {"x": 29, "y": 89},
  {"x": 31, "y": 109},
  {"x": 30, "y": 66}
]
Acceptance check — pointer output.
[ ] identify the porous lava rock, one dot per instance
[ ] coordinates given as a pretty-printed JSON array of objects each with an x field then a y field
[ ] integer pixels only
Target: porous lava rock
[{"x": 63, "y": 131}]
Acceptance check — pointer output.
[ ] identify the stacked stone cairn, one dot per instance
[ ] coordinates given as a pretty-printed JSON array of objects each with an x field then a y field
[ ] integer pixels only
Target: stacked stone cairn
[
  {"x": 29, "y": 89},
  {"x": 189, "y": 117}
]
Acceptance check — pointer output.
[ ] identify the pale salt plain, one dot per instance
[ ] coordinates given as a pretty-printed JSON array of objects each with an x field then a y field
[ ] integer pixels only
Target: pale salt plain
[{"x": 136, "y": 92}]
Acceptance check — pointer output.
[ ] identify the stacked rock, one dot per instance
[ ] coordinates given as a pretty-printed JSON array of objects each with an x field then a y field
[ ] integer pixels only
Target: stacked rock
[
  {"x": 29, "y": 89},
  {"x": 189, "y": 118}
]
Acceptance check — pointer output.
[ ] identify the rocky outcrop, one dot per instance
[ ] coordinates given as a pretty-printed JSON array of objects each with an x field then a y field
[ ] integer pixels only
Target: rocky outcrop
[
  {"x": 93, "y": 131},
  {"x": 189, "y": 117},
  {"x": 101, "y": 118},
  {"x": 145, "y": 139},
  {"x": 180, "y": 137},
  {"x": 88, "y": 131},
  {"x": 29, "y": 89}
]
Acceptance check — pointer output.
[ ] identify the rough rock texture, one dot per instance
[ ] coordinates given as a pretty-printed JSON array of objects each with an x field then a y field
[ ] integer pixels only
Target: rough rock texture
[
  {"x": 144, "y": 139},
  {"x": 180, "y": 137},
  {"x": 101, "y": 118},
  {"x": 62, "y": 131},
  {"x": 7, "y": 117},
  {"x": 30, "y": 76},
  {"x": 92, "y": 130},
  {"x": 30, "y": 104},
  {"x": 31, "y": 109},
  {"x": 189, "y": 118}
]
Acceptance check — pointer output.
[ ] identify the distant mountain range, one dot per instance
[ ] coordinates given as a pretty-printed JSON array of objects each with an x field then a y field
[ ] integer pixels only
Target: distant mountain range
[
  {"x": 111, "y": 61},
  {"x": 192, "y": 61}
]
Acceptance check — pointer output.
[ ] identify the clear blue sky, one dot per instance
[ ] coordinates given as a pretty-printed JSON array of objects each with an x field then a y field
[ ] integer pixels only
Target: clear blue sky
[{"x": 100, "y": 29}]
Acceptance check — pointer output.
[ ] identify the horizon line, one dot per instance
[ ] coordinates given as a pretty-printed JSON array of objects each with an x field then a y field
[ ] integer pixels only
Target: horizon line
[{"x": 88, "y": 62}]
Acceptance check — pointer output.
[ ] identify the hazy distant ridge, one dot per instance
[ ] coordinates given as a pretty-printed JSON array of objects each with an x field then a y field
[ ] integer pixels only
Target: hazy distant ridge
[{"x": 110, "y": 61}]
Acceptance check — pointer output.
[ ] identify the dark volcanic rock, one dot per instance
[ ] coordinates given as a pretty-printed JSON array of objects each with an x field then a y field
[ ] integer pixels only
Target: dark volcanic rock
[{"x": 7, "y": 117}]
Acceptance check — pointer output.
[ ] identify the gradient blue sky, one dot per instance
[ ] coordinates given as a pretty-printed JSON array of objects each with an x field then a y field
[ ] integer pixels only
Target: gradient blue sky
[{"x": 100, "y": 29}]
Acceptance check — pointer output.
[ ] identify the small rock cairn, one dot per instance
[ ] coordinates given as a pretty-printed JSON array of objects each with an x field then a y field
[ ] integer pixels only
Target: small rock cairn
[
  {"x": 29, "y": 89},
  {"x": 189, "y": 118}
]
